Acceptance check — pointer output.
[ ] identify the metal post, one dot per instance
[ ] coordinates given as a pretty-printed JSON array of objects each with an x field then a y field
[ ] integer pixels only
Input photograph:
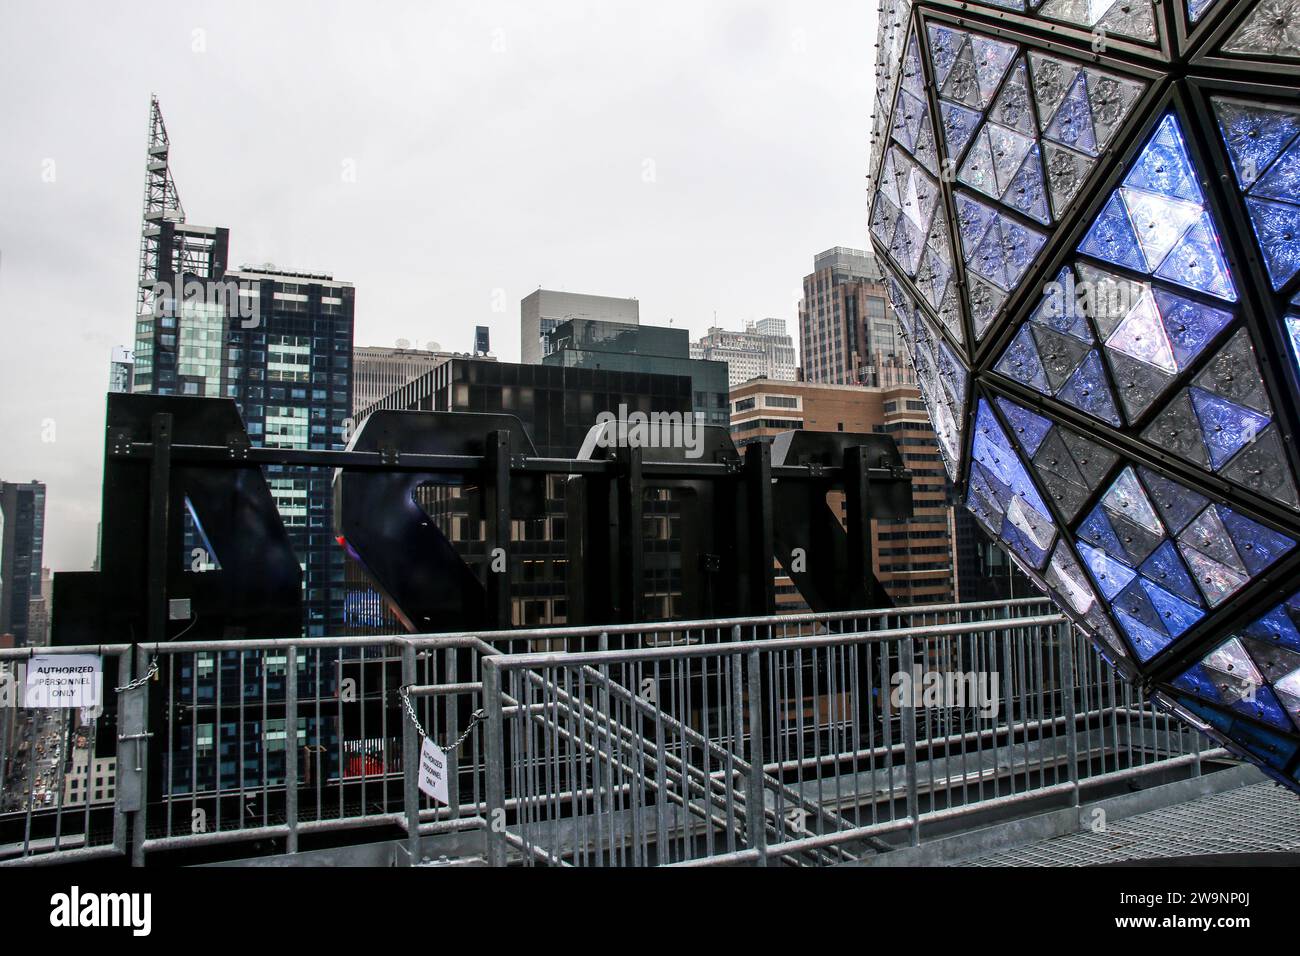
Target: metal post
[
  {"x": 738, "y": 700},
  {"x": 737, "y": 736},
  {"x": 1065, "y": 640},
  {"x": 754, "y": 809},
  {"x": 160, "y": 464},
  {"x": 139, "y": 828},
  {"x": 290, "y": 743},
  {"x": 453, "y": 727},
  {"x": 121, "y": 804},
  {"x": 494, "y": 749},
  {"x": 907, "y": 717},
  {"x": 411, "y": 745}
]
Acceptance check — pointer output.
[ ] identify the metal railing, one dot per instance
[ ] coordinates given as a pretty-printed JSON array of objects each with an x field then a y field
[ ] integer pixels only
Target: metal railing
[
  {"x": 790, "y": 738},
  {"x": 804, "y": 750}
]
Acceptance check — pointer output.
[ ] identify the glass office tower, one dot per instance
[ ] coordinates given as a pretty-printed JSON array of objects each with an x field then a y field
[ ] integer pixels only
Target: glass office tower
[
  {"x": 290, "y": 372},
  {"x": 22, "y": 544},
  {"x": 661, "y": 350}
]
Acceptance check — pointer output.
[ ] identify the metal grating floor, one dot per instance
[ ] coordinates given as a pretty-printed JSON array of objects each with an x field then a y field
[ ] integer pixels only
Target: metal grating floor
[{"x": 1262, "y": 818}]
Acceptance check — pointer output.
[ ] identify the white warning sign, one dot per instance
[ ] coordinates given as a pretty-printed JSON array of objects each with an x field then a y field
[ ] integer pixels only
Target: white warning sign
[
  {"x": 64, "y": 680},
  {"x": 433, "y": 771}
]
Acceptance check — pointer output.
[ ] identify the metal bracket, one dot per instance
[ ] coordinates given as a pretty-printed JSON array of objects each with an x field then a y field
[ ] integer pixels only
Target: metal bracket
[
  {"x": 389, "y": 455},
  {"x": 119, "y": 442},
  {"x": 238, "y": 444},
  {"x": 130, "y": 771}
]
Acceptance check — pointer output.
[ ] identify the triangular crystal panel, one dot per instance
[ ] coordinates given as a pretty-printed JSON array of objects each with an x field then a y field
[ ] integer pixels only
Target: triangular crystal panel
[
  {"x": 1150, "y": 225},
  {"x": 1271, "y": 29}
]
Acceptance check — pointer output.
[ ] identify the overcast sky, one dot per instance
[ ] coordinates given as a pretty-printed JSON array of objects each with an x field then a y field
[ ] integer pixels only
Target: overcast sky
[{"x": 693, "y": 155}]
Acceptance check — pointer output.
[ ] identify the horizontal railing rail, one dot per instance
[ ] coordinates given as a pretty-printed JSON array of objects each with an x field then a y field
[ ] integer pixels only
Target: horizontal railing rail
[{"x": 762, "y": 739}]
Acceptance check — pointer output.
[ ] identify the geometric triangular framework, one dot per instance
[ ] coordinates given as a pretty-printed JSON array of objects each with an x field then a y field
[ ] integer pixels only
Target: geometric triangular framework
[
  {"x": 1129, "y": 435},
  {"x": 1022, "y": 131},
  {"x": 907, "y": 217},
  {"x": 1263, "y": 141},
  {"x": 1142, "y": 334}
]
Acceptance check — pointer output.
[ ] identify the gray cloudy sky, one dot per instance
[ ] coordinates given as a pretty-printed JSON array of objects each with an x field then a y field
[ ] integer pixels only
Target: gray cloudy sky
[{"x": 693, "y": 155}]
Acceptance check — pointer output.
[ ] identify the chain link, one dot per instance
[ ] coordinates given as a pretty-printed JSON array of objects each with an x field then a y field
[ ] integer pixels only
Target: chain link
[
  {"x": 141, "y": 681},
  {"x": 474, "y": 718}
]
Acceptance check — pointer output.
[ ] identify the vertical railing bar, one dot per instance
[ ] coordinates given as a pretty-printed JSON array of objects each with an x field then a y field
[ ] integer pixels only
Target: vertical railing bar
[
  {"x": 610, "y": 782},
  {"x": 961, "y": 722},
  {"x": 64, "y": 755},
  {"x": 705, "y": 754},
  {"x": 290, "y": 744},
  {"x": 453, "y": 733},
  {"x": 320, "y": 740},
  {"x": 907, "y": 711},
  {"x": 592, "y": 753},
  {"x": 1065, "y": 638},
  {"x": 663, "y": 838},
  {"x": 754, "y": 799},
  {"x": 494, "y": 752},
  {"x": 169, "y": 779},
  {"x": 31, "y": 780},
  {"x": 217, "y": 734},
  {"x": 577, "y": 776},
  {"x": 140, "y": 751},
  {"x": 243, "y": 802},
  {"x": 194, "y": 734},
  {"x": 411, "y": 747},
  {"x": 554, "y": 764},
  {"x": 385, "y": 744},
  {"x": 887, "y": 722},
  {"x": 338, "y": 723}
]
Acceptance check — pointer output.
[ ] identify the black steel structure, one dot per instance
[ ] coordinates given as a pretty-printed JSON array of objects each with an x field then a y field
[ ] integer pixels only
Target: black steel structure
[{"x": 171, "y": 456}]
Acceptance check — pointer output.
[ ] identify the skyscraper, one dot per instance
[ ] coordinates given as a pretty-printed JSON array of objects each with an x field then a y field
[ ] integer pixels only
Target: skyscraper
[
  {"x": 22, "y": 544},
  {"x": 763, "y": 350},
  {"x": 121, "y": 370},
  {"x": 543, "y": 310},
  {"x": 171, "y": 251},
  {"x": 378, "y": 371},
  {"x": 279, "y": 343},
  {"x": 595, "y": 344},
  {"x": 291, "y": 376},
  {"x": 846, "y": 333}
]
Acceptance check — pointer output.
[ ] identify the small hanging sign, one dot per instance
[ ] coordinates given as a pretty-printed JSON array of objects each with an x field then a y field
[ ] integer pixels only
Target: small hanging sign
[
  {"x": 433, "y": 771},
  {"x": 64, "y": 680}
]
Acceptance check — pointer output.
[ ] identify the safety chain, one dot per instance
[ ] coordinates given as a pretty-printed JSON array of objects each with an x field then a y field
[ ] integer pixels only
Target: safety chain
[
  {"x": 141, "y": 681},
  {"x": 474, "y": 718}
]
